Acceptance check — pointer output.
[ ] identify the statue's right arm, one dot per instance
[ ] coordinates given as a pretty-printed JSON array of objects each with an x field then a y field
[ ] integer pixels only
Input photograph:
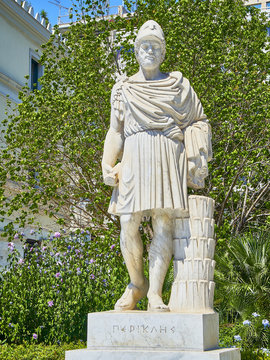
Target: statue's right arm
[{"x": 113, "y": 148}]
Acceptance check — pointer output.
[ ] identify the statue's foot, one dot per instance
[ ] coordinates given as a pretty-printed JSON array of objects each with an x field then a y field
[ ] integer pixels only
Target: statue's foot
[
  {"x": 131, "y": 296},
  {"x": 155, "y": 303}
]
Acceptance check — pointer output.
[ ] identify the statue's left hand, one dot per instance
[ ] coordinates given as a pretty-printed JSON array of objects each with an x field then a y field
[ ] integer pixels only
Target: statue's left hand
[
  {"x": 110, "y": 174},
  {"x": 202, "y": 172}
]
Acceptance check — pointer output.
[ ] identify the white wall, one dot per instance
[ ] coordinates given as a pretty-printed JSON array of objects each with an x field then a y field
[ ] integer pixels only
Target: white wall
[{"x": 20, "y": 35}]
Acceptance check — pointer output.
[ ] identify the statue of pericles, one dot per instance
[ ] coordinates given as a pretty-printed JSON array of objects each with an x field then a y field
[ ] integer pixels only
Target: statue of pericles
[{"x": 162, "y": 138}]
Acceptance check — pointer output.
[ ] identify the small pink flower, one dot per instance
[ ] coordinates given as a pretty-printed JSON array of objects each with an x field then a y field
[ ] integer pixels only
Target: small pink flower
[
  {"x": 35, "y": 336},
  {"x": 57, "y": 234},
  {"x": 112, "y": 246},
  {"x": 11, "y": 246},
  {"x": 21, "y": 261},
  {"x": 50, "y": 303},
  {"x": 16, "y": 236},
  {"x": 57, "y": 275},
  {"x": 92, "y": 276}
]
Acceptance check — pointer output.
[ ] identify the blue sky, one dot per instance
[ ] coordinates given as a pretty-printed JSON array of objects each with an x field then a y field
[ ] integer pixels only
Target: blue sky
[{"x": 53, "y": 10}]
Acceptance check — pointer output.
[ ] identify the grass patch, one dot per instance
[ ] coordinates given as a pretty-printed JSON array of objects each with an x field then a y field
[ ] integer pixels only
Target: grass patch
[{"x": 37, "y": 351}]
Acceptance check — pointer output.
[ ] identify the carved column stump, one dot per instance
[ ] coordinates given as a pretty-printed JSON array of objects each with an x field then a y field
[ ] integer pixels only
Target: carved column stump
[{"x": 194, "y": 246}]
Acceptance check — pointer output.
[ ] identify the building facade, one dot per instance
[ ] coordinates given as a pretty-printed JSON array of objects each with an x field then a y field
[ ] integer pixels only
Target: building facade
[
  {"x": 263, "y": 5},
  {"x": 22, "y": 32}
]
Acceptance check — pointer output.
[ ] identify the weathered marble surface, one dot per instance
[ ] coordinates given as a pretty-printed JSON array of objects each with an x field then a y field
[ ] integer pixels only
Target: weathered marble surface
[
  {"x": 162, "y": 140},
  {"x": 194, "y": 247},
  {"x": 158, "y": 144},
  {"x": 87, "y": 354},
  {"x": 133, "y": 335},
  {"x": 141, "y": 329}
]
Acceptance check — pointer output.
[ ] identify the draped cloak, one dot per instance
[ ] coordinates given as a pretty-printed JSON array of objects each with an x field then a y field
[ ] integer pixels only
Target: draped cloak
[{"x": 167, "y": 143}]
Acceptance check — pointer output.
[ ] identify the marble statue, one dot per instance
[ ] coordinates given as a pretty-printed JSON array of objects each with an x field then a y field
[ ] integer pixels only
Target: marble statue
[{"x": 158, "y": 144}]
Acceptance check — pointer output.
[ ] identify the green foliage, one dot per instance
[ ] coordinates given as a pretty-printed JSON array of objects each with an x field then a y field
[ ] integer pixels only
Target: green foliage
[
  {"x": 250, "y": 335},
  {"x": 54, "y": 139},
  {"x": 54, "y": 147},
  {"x": 37, "y": 352},
  {"x": 46, "y": 296},
  {"x": 167, "y": 286},
  {"x": 254, "y": 355},
  {"x": 221, "y": 47},
  {"x": 242, "y": 277},
  {"x": 44, "y": 15}
]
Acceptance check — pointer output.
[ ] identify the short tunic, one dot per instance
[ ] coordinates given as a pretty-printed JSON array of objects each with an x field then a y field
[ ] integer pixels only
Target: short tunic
[{"x": 153, "y": 171}]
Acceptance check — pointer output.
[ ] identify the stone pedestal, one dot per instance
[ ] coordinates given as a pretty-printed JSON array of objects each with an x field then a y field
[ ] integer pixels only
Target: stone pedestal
[
  {"x": 142, "y": 329},
  {"x": 144, "y": 335}
]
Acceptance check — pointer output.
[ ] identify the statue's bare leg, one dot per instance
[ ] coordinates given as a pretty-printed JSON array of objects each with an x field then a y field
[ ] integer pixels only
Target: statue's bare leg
[
  {"x": 160, "y": 255},
  {"x": 132, "y": 250}
]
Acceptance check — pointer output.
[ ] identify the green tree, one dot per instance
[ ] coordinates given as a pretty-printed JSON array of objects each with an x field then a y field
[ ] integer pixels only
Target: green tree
[
  {"x": 56, "y": 154},
  {"x": 54, "y": 141},
  {"x": 221, "y": 47},
  {"x": 44, "y": 15}
]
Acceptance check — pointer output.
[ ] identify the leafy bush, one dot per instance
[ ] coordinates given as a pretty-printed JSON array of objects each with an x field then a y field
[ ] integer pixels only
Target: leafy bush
[
  {"x": 55, "y": 137},
  {"x": 243, "y": 277},
  {"x": 46, "y": 296},
  {"x": 252, "y": 336},
  {"x": 37, "y": 352},
  {"x": 255, "y": 355}
]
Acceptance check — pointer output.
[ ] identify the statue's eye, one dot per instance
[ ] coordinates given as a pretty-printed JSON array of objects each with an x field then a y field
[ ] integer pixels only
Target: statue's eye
[{"x": 144, "y": 46}]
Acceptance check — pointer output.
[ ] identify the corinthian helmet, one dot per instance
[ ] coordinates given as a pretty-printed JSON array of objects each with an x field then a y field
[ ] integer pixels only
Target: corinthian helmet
[{"x": 151, "y": 30}]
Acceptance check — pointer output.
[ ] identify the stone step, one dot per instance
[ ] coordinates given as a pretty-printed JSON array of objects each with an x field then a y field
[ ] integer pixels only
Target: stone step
[{"x": 126, "y": 354}]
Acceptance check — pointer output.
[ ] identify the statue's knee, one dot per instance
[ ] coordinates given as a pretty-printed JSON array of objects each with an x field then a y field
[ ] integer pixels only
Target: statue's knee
[
  {"x": 161, "y": 246},
  {"x": 163, "y": 229},
  {"x": 161, "y": 219},
  {"x": 129, "y": 223}
]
